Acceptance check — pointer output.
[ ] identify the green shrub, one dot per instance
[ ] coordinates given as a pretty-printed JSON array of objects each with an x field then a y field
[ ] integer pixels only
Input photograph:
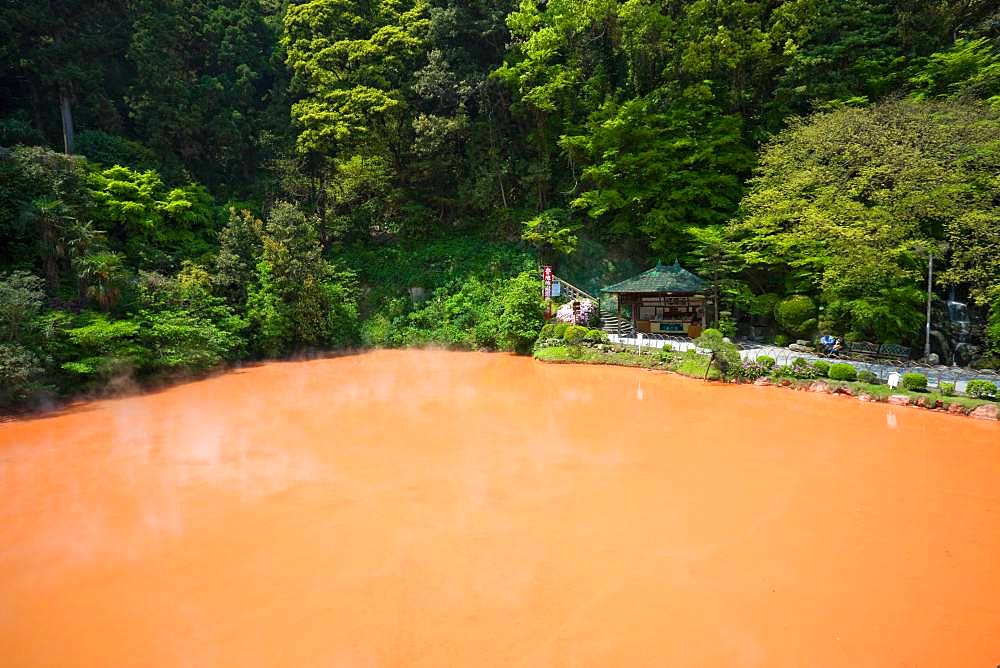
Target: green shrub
[
  {"x": 575, "y": 334},
  {"x": 20, "y": 371},
  {"x": 914, "y": 382},
  {"x": 796, "y": 315},
  {"x": 783, "y": 371},
  {"x": 14, "y": 131},
  {"x": 842, "y": 371},
  {"x": 800, "y": 363},
  {"x": 559, "y": 330},
  {"x": 780, "y": 340},
  {"x": 947, "y": 389},
  {"x": 726, "y": 324},
  {"x": 800, "y": 370},
  {"x": 766, "y": 361},
  {"x": 822, "y": 368},
  {"x": 547, "y": 332},
  {"x": 750, "y": 370},
  {"x": 725, "y": 355},
  {"x": 109, "y": 150},
  {"x": 596, "y": 336},
  {"x": 866, "y": 376},
  {"x": 981, "y": 389}
]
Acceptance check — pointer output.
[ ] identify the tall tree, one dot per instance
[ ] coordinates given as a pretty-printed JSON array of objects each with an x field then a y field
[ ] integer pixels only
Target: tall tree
[
  {"x": 844, "y": 203},
  {"x": 203, "y": 73},
  {"x": 64, "y": 51}
]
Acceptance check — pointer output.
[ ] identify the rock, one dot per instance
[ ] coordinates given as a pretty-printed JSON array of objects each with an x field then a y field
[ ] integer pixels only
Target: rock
[
  {"x": 922, "y": 402},
  {"x": 819, "y": 386},
  {"x": 865, "y": 397},
  {"x": 844, "y": 390},
  {"x": 899, "y": 400},
  {"x": 801, "y": 342},
  {"x": 933, "y": 359},
  {"x": 786, "y": 382},
  {"x": 956, "y": 409},
  {"x": 762, "y": 382},
  {"x": 799, "y": 348},
  {"x": 985, "y": 412}
]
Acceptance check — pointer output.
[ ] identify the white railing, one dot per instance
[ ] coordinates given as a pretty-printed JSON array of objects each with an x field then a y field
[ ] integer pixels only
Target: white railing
[{"x": 783, "y": 356}]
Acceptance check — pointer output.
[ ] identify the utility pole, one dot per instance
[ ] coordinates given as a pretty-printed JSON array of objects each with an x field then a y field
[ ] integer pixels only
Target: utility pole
[{"x": 930, "y": 285}]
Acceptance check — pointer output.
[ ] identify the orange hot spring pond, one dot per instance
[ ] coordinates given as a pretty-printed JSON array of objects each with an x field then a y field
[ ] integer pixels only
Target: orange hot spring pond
[{"x": 458, "y": 509}]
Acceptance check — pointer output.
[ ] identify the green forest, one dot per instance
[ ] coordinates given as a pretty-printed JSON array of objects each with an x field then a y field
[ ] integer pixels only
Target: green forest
[{"x": 187, "y": 184}]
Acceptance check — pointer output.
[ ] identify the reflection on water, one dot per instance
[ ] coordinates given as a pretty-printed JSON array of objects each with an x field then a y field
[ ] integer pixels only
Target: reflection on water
[{"x": 432, "y": 508}]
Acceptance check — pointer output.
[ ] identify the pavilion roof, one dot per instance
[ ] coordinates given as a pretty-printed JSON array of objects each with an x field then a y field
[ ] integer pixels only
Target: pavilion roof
[{"x": 661, "y": 278}]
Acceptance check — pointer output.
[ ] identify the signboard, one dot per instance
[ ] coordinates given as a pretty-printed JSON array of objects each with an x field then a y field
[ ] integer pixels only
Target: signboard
[
  {"x": 546, "y": 282},
  {"x": 556, "y": 289}
]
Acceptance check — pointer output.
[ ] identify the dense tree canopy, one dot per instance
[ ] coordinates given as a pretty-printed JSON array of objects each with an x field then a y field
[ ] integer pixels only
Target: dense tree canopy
[
  {"x": 185, "y": 183},
  {"x": 845, "y": 205}
]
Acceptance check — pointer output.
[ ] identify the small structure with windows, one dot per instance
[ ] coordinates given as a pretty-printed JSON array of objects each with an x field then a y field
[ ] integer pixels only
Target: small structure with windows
[{"x": 667, "y": 299}]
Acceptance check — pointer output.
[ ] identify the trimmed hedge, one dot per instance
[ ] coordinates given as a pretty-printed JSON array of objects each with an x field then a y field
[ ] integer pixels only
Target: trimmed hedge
[
  {"x": 596, "y": 336},
  {"x": 866, "y": 376},
  {"x": 981, "y": 389},
  {"x": 947, "y": 389},
  {"x": 575, "y": 334},
  {"x": 796, "y": 315},
  {"x": 559, "y": 330},
  {"x": 842, "y": 371},
  {"x": 914, "y": 382},
  {"x": 548, "y": 332},
  {"x": 822, "y": 368},
  {"x": 766, "y": 361}
]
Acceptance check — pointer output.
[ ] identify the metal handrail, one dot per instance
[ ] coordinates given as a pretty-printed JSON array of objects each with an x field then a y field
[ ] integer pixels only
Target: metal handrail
[{"x": 573, "y": 289}]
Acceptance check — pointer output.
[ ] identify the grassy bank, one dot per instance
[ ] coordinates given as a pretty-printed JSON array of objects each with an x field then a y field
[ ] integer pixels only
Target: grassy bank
[{"x": 694, "y": 365}]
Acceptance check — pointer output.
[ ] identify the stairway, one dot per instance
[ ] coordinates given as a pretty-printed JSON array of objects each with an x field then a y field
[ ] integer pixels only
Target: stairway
[{"x": 613, "y": 323}]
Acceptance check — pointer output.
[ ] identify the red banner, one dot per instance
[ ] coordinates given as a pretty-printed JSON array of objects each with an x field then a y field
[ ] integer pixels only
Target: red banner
[{"x": 546, "y": 282}]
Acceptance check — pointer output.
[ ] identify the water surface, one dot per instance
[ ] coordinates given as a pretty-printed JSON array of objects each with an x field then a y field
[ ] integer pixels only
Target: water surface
[{"x": 449, "y": 509}]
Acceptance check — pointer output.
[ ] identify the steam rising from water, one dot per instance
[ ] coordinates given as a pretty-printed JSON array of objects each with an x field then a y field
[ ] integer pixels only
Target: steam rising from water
[{"x": 433, "y": 508}]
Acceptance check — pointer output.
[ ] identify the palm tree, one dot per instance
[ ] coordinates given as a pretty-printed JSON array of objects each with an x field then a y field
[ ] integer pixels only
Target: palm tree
[
  {"x": 103, "y": 273},
  {"x": 51, "y": 217},
  {"x": 83, "y": 240}
]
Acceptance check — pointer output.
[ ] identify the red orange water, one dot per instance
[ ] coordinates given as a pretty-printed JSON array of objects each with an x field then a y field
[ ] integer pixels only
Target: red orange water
[{"x": 448, "y": 509}]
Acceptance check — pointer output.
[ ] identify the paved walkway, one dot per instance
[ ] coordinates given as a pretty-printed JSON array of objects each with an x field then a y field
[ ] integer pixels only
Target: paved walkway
[{"x": 935, "y": 374}]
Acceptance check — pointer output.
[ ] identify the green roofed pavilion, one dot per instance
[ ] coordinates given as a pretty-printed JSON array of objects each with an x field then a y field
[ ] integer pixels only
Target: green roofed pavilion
[
  {"x": 667, "y": 299},
  {"x": 661, "y": 278}
]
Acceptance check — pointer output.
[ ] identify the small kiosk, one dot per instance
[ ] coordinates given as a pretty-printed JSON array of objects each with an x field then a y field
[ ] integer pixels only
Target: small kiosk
[{"x": 664, "y": 300}]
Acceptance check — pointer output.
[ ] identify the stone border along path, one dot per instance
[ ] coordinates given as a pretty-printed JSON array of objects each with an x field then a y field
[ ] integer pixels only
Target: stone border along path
[{"x": 935, "y": 374}]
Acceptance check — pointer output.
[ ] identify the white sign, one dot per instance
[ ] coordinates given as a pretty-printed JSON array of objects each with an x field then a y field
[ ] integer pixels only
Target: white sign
[{"x": 893, "y": 380}]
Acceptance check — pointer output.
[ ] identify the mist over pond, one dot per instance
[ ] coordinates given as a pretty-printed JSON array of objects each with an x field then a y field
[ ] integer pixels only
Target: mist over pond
[{"x": 428, "y": 508}]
